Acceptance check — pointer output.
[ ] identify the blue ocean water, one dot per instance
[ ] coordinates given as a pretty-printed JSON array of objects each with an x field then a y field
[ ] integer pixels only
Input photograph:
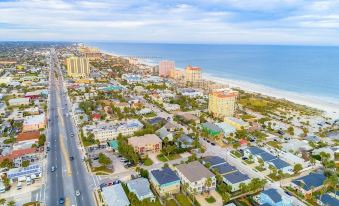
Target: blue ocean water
[{"x": 311, "y": 70}]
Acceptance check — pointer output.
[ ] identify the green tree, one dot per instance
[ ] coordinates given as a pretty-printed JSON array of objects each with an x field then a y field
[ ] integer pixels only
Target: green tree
[
  {"x": 2, "y": 201},
  {"x": 104, "y": 160},
  {"x": 297, "y": 168},
  {"x": 11, "y": 203},
  {"x": 25, "y": 163},
  {"x": 42, "y": 140}
]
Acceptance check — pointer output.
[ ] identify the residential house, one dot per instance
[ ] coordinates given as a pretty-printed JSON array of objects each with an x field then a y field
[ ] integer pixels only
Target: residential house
[
  {"x": 329, "y": 199},
  {"x": 211, "y": 128},
  {"x": 196, "y": 176},
  {"x": 309, "y": 183},
  {"x": 237, "y": 123},
  {"x": 269, "y": 160},
  {"x": 165, "y": 181},
  {"x": 34, "y": 122},
  {"x": 141, "y": 188},
  {"x": 18, "y": 101},
  {"x": 185, "y": 141},
  {"x": 271, "y": 197},
  {"x": 28, "y": 136},
  {"x": 115, "y": 195},
  {"x": 234, "y": 179}
]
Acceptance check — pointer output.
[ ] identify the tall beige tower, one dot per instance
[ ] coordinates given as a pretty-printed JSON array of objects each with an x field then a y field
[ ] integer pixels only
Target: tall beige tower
[
  {"x": 193, "y": 74},
  {"x": 222, "y": 103},
  {"x": 77, "y": 67}
]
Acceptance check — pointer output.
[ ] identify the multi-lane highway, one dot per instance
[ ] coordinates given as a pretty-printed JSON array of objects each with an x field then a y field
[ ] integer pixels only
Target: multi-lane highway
[{"x": 70, "y": 180}]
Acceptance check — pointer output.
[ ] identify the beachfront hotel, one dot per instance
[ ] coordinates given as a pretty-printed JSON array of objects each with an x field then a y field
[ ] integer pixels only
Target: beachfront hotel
[
  {"x": 222, "y": 103},
  {"x": 193, "y": 74},
  {"x": 166, "y": 68},
  {"x": 77, "y": 67}
]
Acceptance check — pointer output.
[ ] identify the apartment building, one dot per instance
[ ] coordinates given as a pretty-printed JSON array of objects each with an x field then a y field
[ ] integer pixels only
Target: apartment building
[
  {"x": 77, "y": 67},
  {"x": 104, "y": 131},
  {"x": 166, "y": 68},
  {"x": 222, "y": 103},
  {"x": 149, "y": 143}
]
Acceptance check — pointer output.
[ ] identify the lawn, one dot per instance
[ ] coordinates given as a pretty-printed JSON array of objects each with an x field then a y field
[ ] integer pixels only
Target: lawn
[
  {"x": 210, "y": 199},
  {"x": 101, "y": 169},
  {"x": 236, "y": 153},
  {"x": 164, "y": 158},
  {"x": 260, "y": 169},
  {"x": 183, "y": 200},
  {"x": 171, "y": 202},
  {"x": 274, "y": 144},
  {"x": 148, "y": 162}
]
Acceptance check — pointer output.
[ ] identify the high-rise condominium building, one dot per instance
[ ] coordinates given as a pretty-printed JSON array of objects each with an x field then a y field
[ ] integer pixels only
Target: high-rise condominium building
[
  {"x": 193, "y": 74},
  {"x": 166, "y": 68},
  {"x": 222, "y": 103},
  {"x": 77, "y": 67}
]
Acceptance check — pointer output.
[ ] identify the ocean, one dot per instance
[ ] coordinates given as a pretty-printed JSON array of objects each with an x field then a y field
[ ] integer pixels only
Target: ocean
[{"x": 308, "y": 70}]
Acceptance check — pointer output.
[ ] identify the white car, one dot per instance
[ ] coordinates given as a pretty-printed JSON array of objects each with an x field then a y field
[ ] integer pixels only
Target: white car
[{"x": 77, "y": 193}]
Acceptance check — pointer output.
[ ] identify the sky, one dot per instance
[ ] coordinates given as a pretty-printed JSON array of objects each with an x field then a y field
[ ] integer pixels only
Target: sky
[{"x": 301, "y": 22}]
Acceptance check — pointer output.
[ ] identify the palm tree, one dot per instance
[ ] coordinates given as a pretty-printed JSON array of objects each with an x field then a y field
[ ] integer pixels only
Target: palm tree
[
  {"x": 208, "y": 184},
  {"x": 2, "y": 201},
  {"x": 11, "y": 203}
]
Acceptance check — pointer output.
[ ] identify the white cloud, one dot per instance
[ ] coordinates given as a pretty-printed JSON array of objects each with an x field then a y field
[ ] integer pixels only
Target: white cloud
[{"x": 219, "y": 21}]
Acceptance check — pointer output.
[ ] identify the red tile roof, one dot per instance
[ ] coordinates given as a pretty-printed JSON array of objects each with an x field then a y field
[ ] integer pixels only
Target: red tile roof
[
  {"x": 18, "y": 153},
  {"x": 28, "y": 136}
]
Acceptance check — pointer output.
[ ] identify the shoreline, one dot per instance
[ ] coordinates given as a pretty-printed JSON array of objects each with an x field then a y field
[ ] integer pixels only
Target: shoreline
[{"x": 330, "y": 108}]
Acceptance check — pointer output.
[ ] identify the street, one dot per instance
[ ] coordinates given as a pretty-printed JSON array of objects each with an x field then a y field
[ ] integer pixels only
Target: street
[{"x": 69, "y": 176}]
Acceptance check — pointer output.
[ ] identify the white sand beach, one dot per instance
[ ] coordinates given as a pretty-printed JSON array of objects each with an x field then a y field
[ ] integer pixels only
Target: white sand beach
[{"x": 329, "y": 106}]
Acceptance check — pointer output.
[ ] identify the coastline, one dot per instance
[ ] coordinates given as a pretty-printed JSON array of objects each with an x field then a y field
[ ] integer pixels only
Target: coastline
[{"x": 330, "y": 107}]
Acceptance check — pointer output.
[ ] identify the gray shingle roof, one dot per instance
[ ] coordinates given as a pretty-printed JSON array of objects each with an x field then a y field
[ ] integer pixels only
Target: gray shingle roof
[
  {"x": 194, "y": 171},
  {"x": 309, "y": 181}
]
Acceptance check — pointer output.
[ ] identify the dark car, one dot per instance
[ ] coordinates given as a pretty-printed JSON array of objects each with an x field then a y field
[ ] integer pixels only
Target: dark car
[
  {"x": 61, "y": 200},
  {"x": 212, "y": 143},
  {"x": 71, "y": 158}
]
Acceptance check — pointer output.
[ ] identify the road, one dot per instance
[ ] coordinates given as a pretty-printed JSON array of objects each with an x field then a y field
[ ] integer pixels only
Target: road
[
  {"x": 54, "y": 184},
  {"x": 63, "y": 182}
]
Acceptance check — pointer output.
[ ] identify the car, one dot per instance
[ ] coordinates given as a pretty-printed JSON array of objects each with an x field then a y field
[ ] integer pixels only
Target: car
[
  {"x": 77, "y": 193},
  {"x": 212, "y": 143},
  {"x": 53, "y": 168},
  {"x": 116, "y": 182},
  {"x": 244, "y": 158},
  {"x": 208, "y": 141},
  {"x": 61, "y": 200},
  {"x": 71, "y": 158}
]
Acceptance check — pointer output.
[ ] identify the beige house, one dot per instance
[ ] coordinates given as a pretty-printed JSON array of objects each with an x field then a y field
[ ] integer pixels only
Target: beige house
[{"x": 149, "y": 143}]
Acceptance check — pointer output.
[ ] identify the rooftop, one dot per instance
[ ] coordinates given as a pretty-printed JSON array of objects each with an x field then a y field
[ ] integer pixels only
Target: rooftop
[
  {"x": 279, "y": 163},
  {"x": 312, "y": 180},
  {"x": 143, "y": 140},
  {"x": 165, "y": 176},
  {"x": 115, "y": 195},
  {"x": 214, "y": 160},
  {"x": 34, "y": 119},
  {"x": 28, "y": 136},
  {"x": 273, "y": 194},
  {"x": 194, "y": 171},
  {"x": 236, "y": 177},
  {"x": 140, "y": 186},
  {"x": 225, "y": 168}
]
